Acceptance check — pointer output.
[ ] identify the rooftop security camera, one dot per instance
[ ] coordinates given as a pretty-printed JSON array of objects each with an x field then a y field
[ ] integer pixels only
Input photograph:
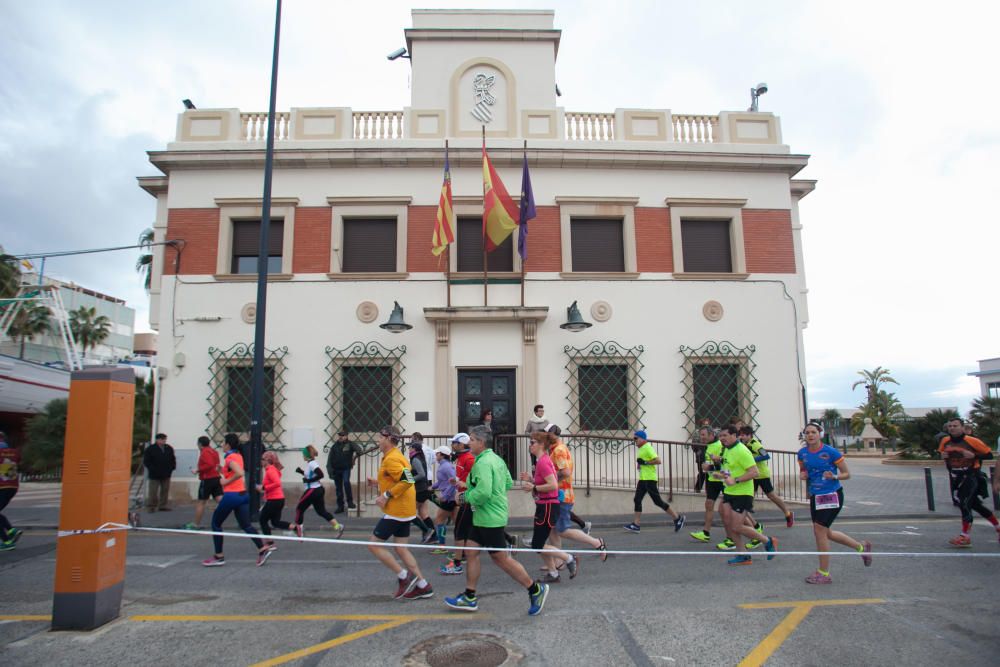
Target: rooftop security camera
[{"x": 398, "y": 53}]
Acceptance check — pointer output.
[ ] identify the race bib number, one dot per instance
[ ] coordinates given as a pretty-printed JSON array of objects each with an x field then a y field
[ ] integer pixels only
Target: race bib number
[{"x": 827, "y": 501}]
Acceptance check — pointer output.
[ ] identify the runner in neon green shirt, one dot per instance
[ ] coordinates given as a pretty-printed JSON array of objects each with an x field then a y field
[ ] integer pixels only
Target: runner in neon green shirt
[
  {"x": 713, "y": 488},
  {"x": 647, "y": 460},
  {"x": 738, "y": 472},
  {"x": 763, "y": 481}
]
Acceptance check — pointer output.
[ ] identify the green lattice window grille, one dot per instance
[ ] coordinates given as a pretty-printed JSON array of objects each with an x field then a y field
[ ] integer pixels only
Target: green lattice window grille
[
  {"x": 229, "y": 396},
  {"x": 605, "y": 388},
  {"x": 719, "y": 384},
  {"x": 365, "y": 388}
]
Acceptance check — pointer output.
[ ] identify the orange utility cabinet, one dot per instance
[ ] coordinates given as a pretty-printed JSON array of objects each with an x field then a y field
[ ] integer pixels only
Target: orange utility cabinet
[{"x": 90, "y": 569}]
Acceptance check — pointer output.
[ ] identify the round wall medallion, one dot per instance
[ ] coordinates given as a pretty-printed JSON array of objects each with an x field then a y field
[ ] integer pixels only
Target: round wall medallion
[
  {"x": 367, "y": 312},
  {"x": 712, "y": 310},
  {"x": 601, "y": 311},
  {"x": 249, "y": 313}
]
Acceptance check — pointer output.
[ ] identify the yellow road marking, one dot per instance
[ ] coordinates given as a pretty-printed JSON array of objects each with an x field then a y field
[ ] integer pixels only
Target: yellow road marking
[
  {"x": 293, "y": 617},
  {"x": 301, "y": 653},
  {"x": 799, "y": 610},
  {"x": 26, "y": 617}
]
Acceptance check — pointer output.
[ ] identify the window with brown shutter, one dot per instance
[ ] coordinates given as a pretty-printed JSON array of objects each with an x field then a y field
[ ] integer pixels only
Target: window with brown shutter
[
  {"x": 470, "y": 248},
  {"x": 705, "y": 245},
  {"x": 246, "y": 241},
  {"x": 369, "y": 245},
  {"x": 597, "y": 244}
]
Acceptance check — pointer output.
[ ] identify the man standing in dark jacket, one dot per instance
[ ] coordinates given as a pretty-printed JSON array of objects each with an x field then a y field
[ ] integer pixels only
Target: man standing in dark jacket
[
  {"x": 343, "y": 454},
  {"x": 160, "y": 464}
]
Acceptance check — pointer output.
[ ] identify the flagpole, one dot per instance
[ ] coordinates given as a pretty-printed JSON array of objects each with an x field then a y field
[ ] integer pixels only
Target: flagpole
[
  {"x": 486, "y": 279},
  {"x": 519, "y": 232}
]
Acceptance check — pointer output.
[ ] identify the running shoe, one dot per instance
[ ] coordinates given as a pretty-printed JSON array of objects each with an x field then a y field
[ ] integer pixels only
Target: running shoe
[
  {"x": 7, "y": 546},
  {"x": 538, "y": 600},
  {"x": 759, "y": 528},
  {"x": 587, "y": 525},
  {"x": 548, "y": 578},
  {"x": 701, "y": 536},
  {"x": 419, "y": 593},
  {"x": 866, "y": 554},
  {"x": 463, "y": 603},
  {"x": 405, "y": 585},
  {"x": 679, "y": 523},
  {"x": 818, "y": 578},
  {"x": 632, "y": 527},
  {"x": 451, "y": 568},
  {"x": 299, "y": 531},
  {"x": 14, "y": 534},
  {"x": 430, "y": 539},
  {"x": 573, "y": 567},
  {"x": 271, "y": 546},
  {"x": 960, "y": 541},
  {"x": 790, "y": 519},
  {"x": 603, "y": 549},
  {"x": 214, "y": 561},
  {"x": 338, "y": 529},
  {"x": 726, "y": 545},
  {"x": 754, "y": 544},
  {"x": 771, "y": 547},
  {"x": 440, "y": 551},
  {"x": 190, "y": 526},
  {"x": 740, "y": 560},
  {"x": 262, "y": 556}
]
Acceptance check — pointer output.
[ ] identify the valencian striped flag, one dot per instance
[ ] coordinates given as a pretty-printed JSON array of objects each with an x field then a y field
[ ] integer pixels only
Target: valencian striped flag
[
  {"x": 500, "y": 214},
  {"x": 444, "y": 225}
]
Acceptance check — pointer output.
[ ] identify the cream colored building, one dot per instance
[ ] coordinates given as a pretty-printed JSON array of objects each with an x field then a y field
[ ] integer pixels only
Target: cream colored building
[{"x": 677, "y": 234}]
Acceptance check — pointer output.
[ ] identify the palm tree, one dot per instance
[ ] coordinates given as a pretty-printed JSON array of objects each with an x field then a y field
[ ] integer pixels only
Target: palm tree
[
  {"x": 885, "y": 411},
  {"x": 10, "y": 276},
  {"x": 985, "y": 416},
  {"x": 144, "y": 265},
  {"x": 831, "y": 419},
  {"x": 873, "y": 380},
  {"x": 89, "y": 329},
  {"x": 30, "y": 320}
]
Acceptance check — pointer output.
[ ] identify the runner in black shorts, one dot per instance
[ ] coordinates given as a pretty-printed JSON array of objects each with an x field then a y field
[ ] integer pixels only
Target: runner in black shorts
[
  {"x": 209, "y": 488},
  {"x": 713, "y": 458}
]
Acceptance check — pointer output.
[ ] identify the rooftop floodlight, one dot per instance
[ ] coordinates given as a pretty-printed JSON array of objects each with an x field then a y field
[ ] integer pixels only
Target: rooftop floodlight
[
  {"x": 755, "y": 94},
  {"x": 398, "y": 53},
  {"x": 188, "y": 104}
]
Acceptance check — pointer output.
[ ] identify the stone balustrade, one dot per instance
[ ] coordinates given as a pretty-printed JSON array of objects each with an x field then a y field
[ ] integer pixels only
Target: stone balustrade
[{"x": 343, "y": 123}]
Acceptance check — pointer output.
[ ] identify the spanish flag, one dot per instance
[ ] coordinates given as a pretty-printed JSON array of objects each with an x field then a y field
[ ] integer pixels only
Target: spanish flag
[
  {"x": 444, "y": 226},
  {"x": 500, "y": 213}
]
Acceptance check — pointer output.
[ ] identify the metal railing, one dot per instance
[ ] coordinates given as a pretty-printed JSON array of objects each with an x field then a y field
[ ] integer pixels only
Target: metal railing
[
  {"x": 47, "y": 476},
  {"x": 599, "y": 463}
]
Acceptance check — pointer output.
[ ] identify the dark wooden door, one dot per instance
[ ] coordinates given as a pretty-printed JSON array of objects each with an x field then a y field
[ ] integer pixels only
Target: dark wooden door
[{"x": 493, "y": 389}]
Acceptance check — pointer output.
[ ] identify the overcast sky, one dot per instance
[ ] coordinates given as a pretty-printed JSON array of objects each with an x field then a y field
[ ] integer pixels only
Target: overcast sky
[{"x": 896, "y": 104}]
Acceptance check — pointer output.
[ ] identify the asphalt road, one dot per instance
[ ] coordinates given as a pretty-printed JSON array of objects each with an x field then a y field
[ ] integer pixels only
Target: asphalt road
[{"x": 644, "y": 610}]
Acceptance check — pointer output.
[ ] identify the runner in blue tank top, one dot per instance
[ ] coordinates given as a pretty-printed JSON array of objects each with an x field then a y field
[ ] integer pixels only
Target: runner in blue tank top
[{"x": 823, "y": 467}]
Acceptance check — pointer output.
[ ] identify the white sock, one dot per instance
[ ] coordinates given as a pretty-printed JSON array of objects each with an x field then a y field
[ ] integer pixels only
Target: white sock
[
  {"x": 402, "y": 574},
  {"x": 571, "y": 559},
  {"x": 554, "y": 573},
  {"x": 421, "y": 583}
]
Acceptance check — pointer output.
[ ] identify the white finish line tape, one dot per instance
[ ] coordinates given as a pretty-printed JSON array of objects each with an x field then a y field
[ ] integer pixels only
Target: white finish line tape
[{"x": 114, "y": 527}]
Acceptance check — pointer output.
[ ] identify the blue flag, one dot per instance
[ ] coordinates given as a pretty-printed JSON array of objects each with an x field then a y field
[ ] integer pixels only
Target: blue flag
[{"x": 527, "y": 211}]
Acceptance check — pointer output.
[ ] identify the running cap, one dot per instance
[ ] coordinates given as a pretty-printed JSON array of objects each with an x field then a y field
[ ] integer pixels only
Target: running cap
[
  {"x": 555, "y": 430},
  {"x": 443, "y": 450},
  {"x": 462, "y": 438},
  {"x": 641, "y": 434}
]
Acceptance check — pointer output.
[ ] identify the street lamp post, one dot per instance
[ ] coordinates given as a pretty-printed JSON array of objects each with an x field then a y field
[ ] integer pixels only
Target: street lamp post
[{"x": 252, "y": 464}]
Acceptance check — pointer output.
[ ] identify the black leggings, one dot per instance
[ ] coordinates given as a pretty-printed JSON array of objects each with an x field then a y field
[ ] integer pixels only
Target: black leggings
[
  {"x": 648, "y": 486},
  {"x": 312, "y": 497},
  {"x": 965, "y": 492},
  {"x": 270, "y": 515},
  {"x": 5, "y": 497},
  {"x": 545, "y": 522}
]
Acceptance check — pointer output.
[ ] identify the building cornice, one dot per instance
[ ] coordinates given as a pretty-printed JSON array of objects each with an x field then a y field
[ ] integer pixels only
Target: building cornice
[
  {"x": 490, "y": 35},
  {"x": 414, "y": 156},
  {"x": 154, "y": 185},
  {"x": 802, "y": 187}
]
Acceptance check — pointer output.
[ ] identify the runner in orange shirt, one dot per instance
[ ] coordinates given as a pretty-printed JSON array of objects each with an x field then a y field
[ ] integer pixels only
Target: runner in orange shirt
[{"x": 963, "y": 455}]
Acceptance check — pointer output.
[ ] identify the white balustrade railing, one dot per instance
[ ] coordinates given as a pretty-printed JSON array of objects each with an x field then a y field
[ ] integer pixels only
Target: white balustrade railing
[
  {"x": 581, "y": 126},
  {"x": 693, "y": 129},
  {"x": 253, "y": 125},
  {"x": 378, "y": 124}
]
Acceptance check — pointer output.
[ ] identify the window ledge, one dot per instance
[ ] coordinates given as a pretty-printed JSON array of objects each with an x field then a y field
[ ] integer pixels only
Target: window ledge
[
  {"x": 366, "y": 275},
  {"x": 711, "y": 276},
  {"x": 478, "y": 275},
  {"x": 250, "y": 277},
  {"x": 598, "y": 275}
]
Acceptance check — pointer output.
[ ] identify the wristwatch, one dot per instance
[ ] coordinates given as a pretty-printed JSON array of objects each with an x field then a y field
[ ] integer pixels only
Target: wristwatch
[{"x": 387, "y": 495}]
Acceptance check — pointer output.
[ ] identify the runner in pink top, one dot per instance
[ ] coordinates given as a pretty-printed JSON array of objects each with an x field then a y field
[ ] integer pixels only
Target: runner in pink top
[
  {"x": 274, "y": 498},
  {"x": 544, "y": 487}
]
